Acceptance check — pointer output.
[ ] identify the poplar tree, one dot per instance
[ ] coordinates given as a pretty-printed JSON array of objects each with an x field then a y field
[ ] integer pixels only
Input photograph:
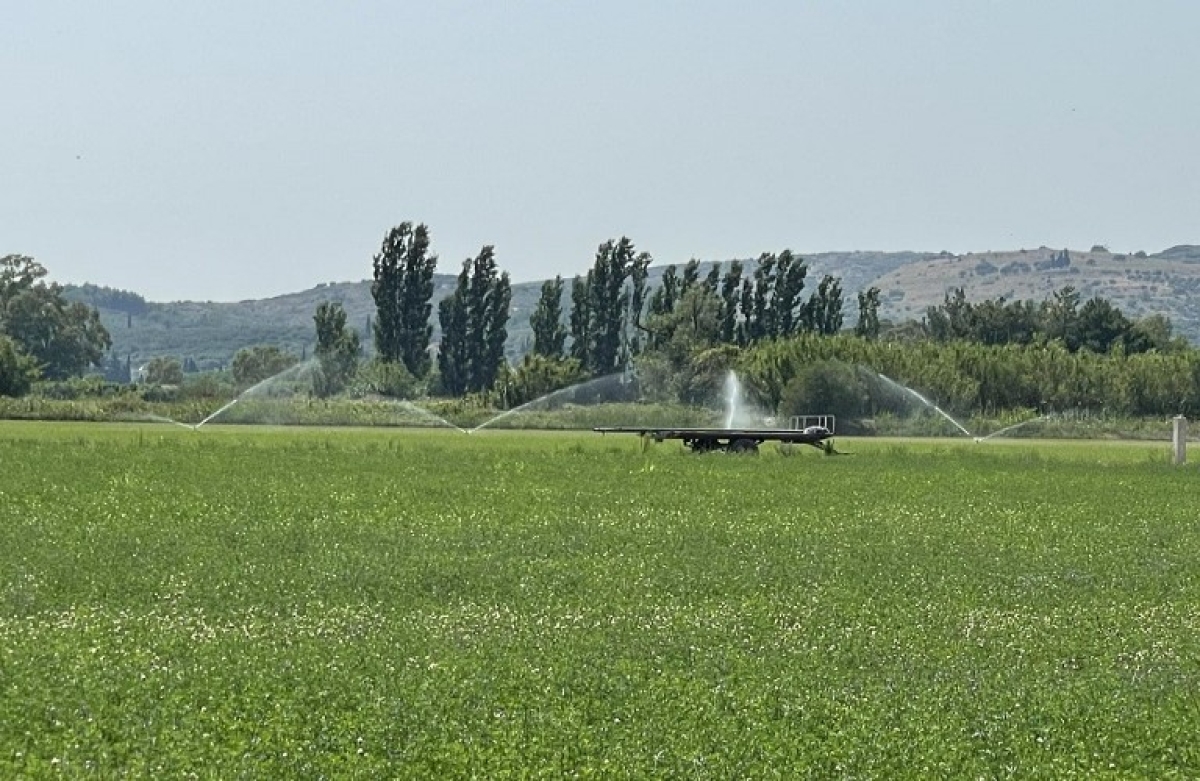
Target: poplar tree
[
  {"x": 868, "y": 314},
  {"x": 337, "y": 349},
  {"x": 614, "y": 292},
  {"x": 474, "y": 326},
  {"x": 730, "y": 285},
  {"x": 549, "y": 333},
  {"x": 403, "y": 289}
]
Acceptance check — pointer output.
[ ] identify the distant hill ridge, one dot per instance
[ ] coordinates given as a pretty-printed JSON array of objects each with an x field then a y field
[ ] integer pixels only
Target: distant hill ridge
[{"x": 210, "y": 333}]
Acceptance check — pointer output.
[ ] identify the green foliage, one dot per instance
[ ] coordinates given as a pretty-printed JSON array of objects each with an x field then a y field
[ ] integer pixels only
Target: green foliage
[
  {"x": 827, "y": 388},
  {"x": 402, "y": 290},
  {"x": 670, "y": 370},
  {"x": 118, "y": 370},
  {"x": 867, "y": 326},
  {"x": 822, "y": 312},
  {"x": 1102, "y": 325},
  {"x": 337, "y": 350},
  {"x": 252, "y": 365},
  {"x": 176, "y": 602},
  {"x": 473, "y": 321},
  {"x": 79, "y": 388},
  {"x": 536, "y": 376},
  {"x": 384, "y": 378},
  {"x": 1098, "y": 325},
  {"x": 64, "y": 337},
  {"x": 968, "y": 377},
  {"x": 606, "y": 307},
  {"x": 730, "y": 285},
  {"x": 546, "y": 321},
  {"x": 209, "y": 385},
  {"x": 101, "y": 297},
  {"x": 163, "y": 370},
  {"x": 17, "y": 370}
]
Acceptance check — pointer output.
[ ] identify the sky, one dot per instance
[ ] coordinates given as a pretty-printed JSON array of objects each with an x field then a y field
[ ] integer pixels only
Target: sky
[{"x": 228, "y": 150}]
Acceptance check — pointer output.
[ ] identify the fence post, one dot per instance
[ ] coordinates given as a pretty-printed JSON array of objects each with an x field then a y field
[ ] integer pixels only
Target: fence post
[{"x": 1179, "y": 439}]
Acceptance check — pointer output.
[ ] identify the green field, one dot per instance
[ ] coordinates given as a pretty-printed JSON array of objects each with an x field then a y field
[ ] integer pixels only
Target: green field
[{"x": 263, "y": 603}]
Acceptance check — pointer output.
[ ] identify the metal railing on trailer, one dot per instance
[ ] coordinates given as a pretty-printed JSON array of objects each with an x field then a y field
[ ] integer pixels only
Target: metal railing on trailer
[{"x": 801, "y": 422}]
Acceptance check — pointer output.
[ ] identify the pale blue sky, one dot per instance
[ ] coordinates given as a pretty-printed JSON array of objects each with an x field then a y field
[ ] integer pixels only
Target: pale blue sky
[{"x": 225, "y": 150}]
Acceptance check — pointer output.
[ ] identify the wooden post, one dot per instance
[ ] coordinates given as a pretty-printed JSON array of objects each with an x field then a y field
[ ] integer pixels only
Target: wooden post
[{"x": 1179, "y": 440}]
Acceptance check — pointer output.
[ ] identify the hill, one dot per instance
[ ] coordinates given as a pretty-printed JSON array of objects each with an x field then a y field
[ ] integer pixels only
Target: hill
[
  {"x": 1167, "y": 283},
  {"x": 209, "y": 333}
]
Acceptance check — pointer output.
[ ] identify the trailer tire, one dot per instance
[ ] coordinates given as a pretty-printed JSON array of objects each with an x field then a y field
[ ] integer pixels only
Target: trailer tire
[{"x": 743, "y": 446}]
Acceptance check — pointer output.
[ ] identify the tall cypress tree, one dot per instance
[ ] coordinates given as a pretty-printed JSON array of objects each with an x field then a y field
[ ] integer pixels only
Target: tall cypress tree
[
  {"x": 790, "y": 272},
  {"x": 402, "y": 289},
  {"x": 615, "y": 296},
  {"x": 823, "y": 312},
  {"x": 713, "y": 281},
  {"x": 868, "y": 314},
  {"x": 581, "y": 318},
  {"x": 691, "y": 273},
  {"x": 761, "y": 324},
  {"x": 474, "y": 326},
  {"x": 453, "y": 356},
  {"x": 730, "y": 285},
  {"x": 549, "y": 333},
  {"x": 495, "y": 293}
]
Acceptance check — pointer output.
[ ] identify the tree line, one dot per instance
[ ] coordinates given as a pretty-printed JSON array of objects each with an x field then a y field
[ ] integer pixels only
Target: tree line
[
  {"x": 614, "y": 322},
  {"x": 678, "y": 337}
]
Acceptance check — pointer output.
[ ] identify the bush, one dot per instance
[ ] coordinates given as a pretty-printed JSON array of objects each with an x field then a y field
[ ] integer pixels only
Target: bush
[
  {"x": 384, "y": 378},
  {"x": 17, "y": 370},
  {"x": 827, "y": 388}
]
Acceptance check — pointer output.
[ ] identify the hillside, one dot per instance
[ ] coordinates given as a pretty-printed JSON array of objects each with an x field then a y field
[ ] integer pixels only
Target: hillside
[{"x": 1166, "y": 283}]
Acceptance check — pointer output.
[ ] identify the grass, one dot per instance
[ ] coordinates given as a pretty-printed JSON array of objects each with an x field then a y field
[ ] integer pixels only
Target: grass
[{"x": 273, "y": 602}]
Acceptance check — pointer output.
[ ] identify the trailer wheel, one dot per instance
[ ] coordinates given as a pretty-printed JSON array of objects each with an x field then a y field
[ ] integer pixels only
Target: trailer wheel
[{"x": 743, "y": 446}]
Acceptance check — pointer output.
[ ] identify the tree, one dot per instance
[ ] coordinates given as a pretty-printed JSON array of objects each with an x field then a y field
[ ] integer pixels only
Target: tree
[
  {"x": 730, "y": 285},
  {"x": 64, "y": 337},
  {"x": 18, "y": 273},
  {"x": 606, "y": 305},
  {"x": 474, "y": 326},
  {"x": 1060, "y": 317},
  {"x": 712, "y": 282},
  {"x": 17, "y": 370},
  {"x": 337, "y": 349},
  {"x": 669, "y": 370},
  {"x": 1154, "y": 332},
  {"x": 827, "y": 387},
  {"x": 868, "y": 314},
  {"x": 162, "y": 370},
  {"x": 538, "y": 375},
  {"x": 758, "y": 316},
  {"x": 790, "y": 273},
  {"x": 639, "y": 271},
  {"x": 117, "y": 370},
  {"x": 549, "y": 333},
  {"x": 403, "y": 289},
  {"x": 581, "y": 317},
  {"x": 823, "y": 311},
  {"x": 252, "y": 365},
  {"x": 1101, "y": 325},
  {"x": 954, "y": 319}
]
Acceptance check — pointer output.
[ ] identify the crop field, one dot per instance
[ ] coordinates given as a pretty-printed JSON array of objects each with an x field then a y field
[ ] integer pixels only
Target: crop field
[{"x": 304, "y": 603}]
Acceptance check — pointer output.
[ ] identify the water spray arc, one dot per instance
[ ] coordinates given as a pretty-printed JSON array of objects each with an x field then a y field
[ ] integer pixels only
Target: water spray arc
[
  {"x": 1013, "y": 427},
  {"x": 959, "y": 426},
  {"x": 425, "y": 414},
  {"x": 289, "y": 373},
  {"x": 598, "y": 384},
  {"x": 926, "y": 402}
]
